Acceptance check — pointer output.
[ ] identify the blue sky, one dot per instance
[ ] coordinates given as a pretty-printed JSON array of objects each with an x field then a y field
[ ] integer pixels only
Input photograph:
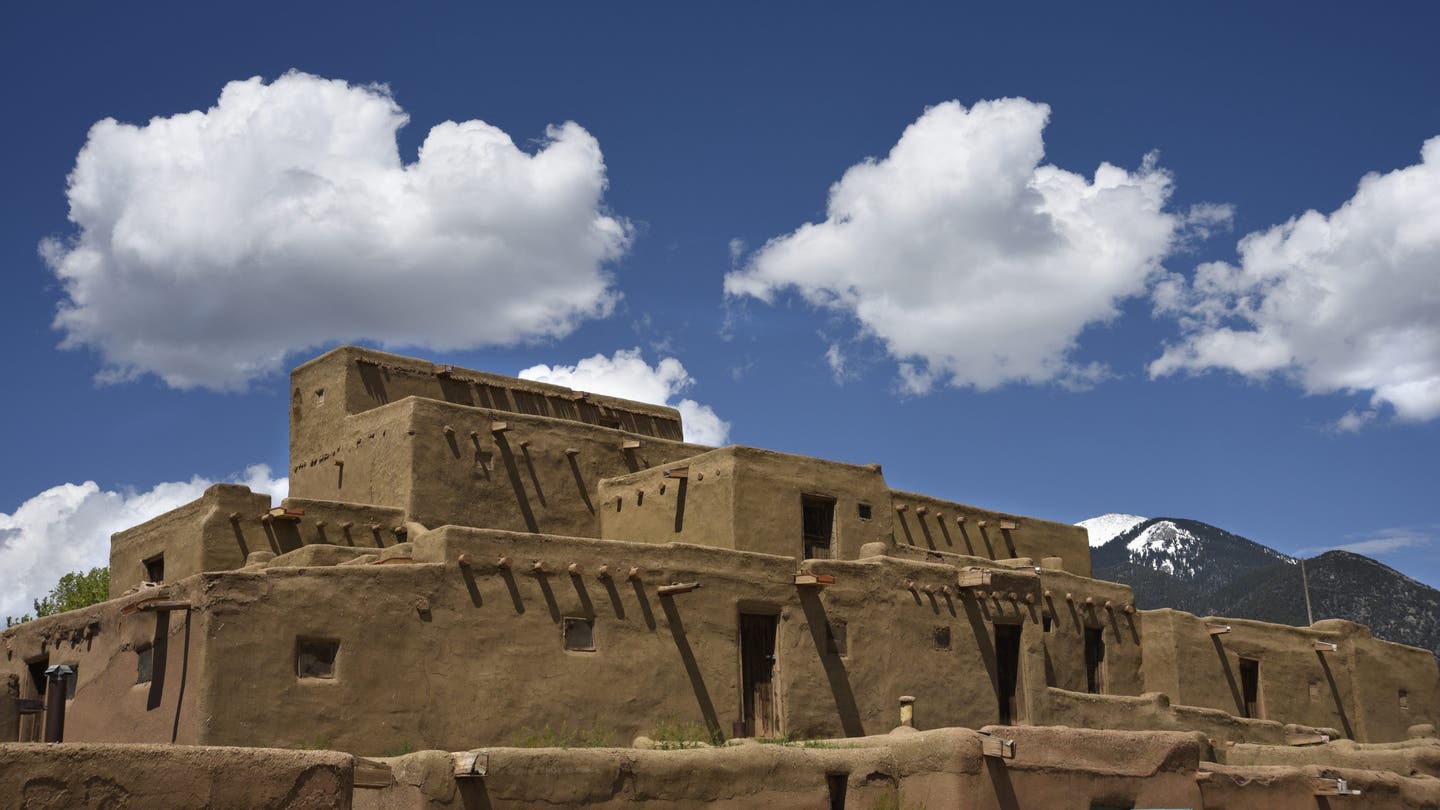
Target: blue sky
[{"x": 1298, "y": 405}]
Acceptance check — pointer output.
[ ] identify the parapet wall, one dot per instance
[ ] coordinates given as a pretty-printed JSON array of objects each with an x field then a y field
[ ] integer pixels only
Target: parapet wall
[
  {"x": 939, "y": 525},
  {"x": 350, "y": 380}
]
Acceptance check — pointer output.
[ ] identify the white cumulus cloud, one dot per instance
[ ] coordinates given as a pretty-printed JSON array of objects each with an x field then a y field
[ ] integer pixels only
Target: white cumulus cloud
[
  {"x": 972, "y": 262},
  {"x": 627, "y": 375},
  {"x": 209, "y": 246},
  {"x": 1342, "y": 302},
  {"x": 67, "y": 528}
]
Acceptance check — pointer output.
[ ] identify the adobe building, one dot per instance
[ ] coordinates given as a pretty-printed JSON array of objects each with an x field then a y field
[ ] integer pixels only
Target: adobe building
[{"x": 467, "y": 564}]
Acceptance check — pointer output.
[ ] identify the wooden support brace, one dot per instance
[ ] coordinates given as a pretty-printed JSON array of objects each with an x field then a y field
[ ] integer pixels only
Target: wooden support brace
[
  {"x": 636, "y": 573},
  {"x": 449, "y": 431},
  {"x": 630, "y": 444},
  {"x": 920, "y": 510},
  {"x": 234, "y": 517},
  {"x": 1129, "y": 609},
  {"x": 682, "y": 471},
  {"x": 900, "y": 507},
  {"x": 504, "y": 563},
  {"x": 1333, "y": 786},
  {"x": 959, "y": 520},
  {"x": 537, "y": 567},
  {"x": 1217, "y": 629},
  {"x": 499, "y": 427},
  {"x": 818, "y": 580},
  {"x": 1325, "y": 646},
  {"x": 1009, "y": 525},
  {"x": 572, "y": 451},
  {"x": 676, "y": 588},
  {"x": 603, "y": 572},
  {"x": 574, "y": 569},
  {"x": 464, "y": 561},
  {"x": 982, "y": 523}
]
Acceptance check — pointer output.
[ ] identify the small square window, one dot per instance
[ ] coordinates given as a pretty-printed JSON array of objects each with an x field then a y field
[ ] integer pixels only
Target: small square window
[
  {"x": 863, "y": 510},
  {"x": 144, "y": 664},
  {"x": 155, "y": 568},
  {"x": 315, "y": 658},
  {"x": 579, "y": 634},
  {"x": 839, "y": 641},
  {"x": 1045, "y": 623},
  {"x": 941, "y": 637}
]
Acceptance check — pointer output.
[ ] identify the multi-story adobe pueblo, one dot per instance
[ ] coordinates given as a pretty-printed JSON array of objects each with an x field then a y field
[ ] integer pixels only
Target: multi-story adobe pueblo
[{"x": 465, "y": 560}]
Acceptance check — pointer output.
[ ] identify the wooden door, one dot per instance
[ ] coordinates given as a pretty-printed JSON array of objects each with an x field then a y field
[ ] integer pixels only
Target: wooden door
[
  {"x": 757, "y": 675},
  {"x": 1007, "y": 671}
]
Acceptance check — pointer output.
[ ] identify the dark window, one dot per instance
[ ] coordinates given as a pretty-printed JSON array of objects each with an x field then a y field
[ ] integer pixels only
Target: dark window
[
  {"x": 1404, "y": 700},
  {"x": 144, "y": 664},
  {"x": 1045, "y": 623},
  {"x": 37, "y": 674},
  {"x": 819, "y": 525},
  {"x": 315, "y": 658},
  {"x": 940, "y": 636},
  {"x": 839, "y": 638},
  {"x": 155, "y": 568},
  {"x": 863, "y": 510},
  {"x": 1094, "y": 660},
  {"x": 1250, "y": 686},
  {"x": 579, "y": 634}
]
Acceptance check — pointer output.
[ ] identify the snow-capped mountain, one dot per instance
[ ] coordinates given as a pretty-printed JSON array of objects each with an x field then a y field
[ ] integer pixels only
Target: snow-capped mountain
[
  {"x": 1105, "y": 527},
  {"x": 1193, "y": 566}
]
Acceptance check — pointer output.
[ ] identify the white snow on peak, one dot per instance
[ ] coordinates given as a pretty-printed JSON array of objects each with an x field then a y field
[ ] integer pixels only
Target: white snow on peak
[
  {"x": 1166, "y": 547},
  {"x": 1107, "y": 527}
]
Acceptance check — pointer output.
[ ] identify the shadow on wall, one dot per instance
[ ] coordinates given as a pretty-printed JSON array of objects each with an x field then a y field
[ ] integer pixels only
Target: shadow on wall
[
  {"x": 687, "y": 657},
  {"x": 513, "y": 471},
  {"x": 1335, "y": 694},
  {"x": 832, "y": 663},
  {"x": 160, "y": 658}
]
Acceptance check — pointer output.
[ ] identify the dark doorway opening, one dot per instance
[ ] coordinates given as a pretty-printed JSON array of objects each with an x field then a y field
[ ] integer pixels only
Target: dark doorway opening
[
  {"x": 1250, "y": 686},
  {"x": 1007, "y": 671},
  {"x": 1094, "y": 660},
  {"x": 819, "y": 525},
  {"x": 837, "y": 783},
  {"x": 757, "y": 671}
]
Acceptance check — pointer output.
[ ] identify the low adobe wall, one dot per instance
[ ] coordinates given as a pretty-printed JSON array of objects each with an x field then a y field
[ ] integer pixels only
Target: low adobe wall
[{"x": 173, "y": 777}]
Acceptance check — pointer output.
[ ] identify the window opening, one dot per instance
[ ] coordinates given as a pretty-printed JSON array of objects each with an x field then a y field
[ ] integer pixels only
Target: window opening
[
  {"x": 315, "y": 658},
  {"x": 155, "y": 568},
  {"x": 818, "y": 516},
  {"x": 863, "y": 510},
  {"x": 1007, "y": 671},
  {"x": 144, "y": 664},
  {"x": 579, "y": 634}
]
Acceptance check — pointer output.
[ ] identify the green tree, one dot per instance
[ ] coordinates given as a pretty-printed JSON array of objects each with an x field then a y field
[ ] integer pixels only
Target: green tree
[{"x": 74, "y": 590}]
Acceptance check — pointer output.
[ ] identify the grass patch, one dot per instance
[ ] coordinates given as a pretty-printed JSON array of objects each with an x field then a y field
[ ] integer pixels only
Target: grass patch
[
  {"x": 597, "y": 736},
  {"x": 671, "y": 735}
]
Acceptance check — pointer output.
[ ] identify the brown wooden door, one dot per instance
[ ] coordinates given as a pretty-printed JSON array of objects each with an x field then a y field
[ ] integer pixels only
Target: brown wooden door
[
  {"x": 1007, "y": 671},
  {"x": 757, "y": 675}
]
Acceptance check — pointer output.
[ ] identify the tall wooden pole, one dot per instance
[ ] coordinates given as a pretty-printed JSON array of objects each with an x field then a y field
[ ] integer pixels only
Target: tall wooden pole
[{"x": 1305, "y": 582}]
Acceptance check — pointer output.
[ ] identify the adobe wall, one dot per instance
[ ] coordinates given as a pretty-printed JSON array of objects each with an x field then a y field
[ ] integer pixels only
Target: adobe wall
[
  {"x": 104, "y": 643},
  {"x": 939, "y": 525},
  {"x": 435, "y": 654},
  {"x": 350, "y": 380},
  {"x": 1353, "y": 689},
  {"x": 173, "y": 777},
  {"x": 524, "y": 479},
  {"x": 199, "y": 536},
  {"x": 745, "y": 499}
]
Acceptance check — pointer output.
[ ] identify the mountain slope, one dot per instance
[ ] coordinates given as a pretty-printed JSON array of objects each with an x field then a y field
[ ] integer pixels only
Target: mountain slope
[{"x": 1193, "y": 566}]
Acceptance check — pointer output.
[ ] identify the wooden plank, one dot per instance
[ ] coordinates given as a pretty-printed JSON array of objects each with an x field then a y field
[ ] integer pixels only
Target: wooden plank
[
  {"x": 1217, "y": 629},
  {"x": 974, "y": 577},
  {"x": 285, "y": 513},
  {"x": 29, "y": 705},
  {"x": 1306, "y": 739},
  {"x": 162, "y": 606},
  {"x": 630, "y": 444},
  {"x": 470, "y": 764},
  {"x": 682, "y": 471},
  {"x": 499, "y": 427},
  {"x": 1009, "y": 525},
  {"x": 1333, "y": 786},
  {"x": 1325, "y": 646},
  {"x": 814, "y": 579},
  {"x": 677, "y": 588},
  {"x": 992, "y": 746},
  {"x": 372, "y": 774}
]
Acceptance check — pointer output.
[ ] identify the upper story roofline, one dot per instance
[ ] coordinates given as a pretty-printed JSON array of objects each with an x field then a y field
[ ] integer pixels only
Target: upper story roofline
[{"x": 358, "y": 379}]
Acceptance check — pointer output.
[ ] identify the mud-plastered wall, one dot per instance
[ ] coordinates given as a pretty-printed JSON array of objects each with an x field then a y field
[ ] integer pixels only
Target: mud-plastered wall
[
  {"x": 691, "y": 500},
  {"x": 939, "y": 525},
  {"x": 136, "y": 671},
  {"x": 215, "y": 532},
  {"x": 1332, "y": 675}
]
